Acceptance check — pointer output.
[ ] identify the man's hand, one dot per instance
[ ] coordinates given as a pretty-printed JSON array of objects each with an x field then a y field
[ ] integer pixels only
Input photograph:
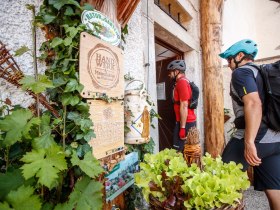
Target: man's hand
[
  {"x": 182, "y": 133},
  {"x": 250, "y": 154}
]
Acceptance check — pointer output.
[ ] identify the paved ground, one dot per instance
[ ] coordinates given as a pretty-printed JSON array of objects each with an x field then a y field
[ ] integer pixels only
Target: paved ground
[{"x": 255, "y": 200}]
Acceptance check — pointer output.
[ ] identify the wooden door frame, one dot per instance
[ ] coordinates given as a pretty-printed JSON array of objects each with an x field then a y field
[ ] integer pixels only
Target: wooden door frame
[{"x": 169, "y": 47}]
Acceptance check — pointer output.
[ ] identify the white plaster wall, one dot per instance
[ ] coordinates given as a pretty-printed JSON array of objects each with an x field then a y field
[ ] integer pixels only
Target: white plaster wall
[
  {"x": 257, "y": 20},
  {"x": 16, "y": 31},
  {"x": 139, "y": 54},
  {"x": 134, "y": 47},
  {"x": 268, "y": 28}
]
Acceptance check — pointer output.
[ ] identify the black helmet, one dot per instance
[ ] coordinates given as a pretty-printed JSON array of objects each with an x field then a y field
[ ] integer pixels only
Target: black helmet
[{"x": 177, "y": 64}]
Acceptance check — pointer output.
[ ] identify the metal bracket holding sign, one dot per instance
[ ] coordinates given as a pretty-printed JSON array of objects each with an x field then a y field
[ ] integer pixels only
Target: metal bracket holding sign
[
  {"x": 108, "y": 127},
  {"x": 101, "y": 68}
]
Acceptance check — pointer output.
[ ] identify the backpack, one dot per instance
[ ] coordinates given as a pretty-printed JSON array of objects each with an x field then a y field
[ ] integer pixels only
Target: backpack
[
  {"x": 195, "y": 95},
  {"x": 271, "y": 78},
  {"x": 270, "y": 74}
]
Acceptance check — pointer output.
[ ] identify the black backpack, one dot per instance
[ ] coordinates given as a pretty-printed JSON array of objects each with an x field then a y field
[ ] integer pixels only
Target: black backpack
[
  {"x": 270, "y": 74},
  {"x": 271, "y": 77},
  {"x": 195, "y": 95}
]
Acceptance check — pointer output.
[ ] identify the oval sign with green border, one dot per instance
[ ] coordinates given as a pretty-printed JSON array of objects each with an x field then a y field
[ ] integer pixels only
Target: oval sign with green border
[{"x": 101, "y": 26}]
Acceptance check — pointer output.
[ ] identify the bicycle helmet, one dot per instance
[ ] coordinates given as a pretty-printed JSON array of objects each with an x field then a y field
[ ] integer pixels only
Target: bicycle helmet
[
  {"x": 177, "y": 64},
  {"x": 247, "y": 46}
]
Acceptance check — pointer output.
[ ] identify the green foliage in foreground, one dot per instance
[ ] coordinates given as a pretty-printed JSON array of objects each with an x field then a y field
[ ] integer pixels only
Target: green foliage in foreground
[
  {"x": 46, "y": 162},
  {"x": 167, "y": 181}
]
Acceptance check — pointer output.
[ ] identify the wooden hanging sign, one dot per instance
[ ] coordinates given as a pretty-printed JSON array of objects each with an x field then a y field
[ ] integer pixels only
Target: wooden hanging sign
[
  {"x": 108, "y": 127},
  {"x": 101, "y": 68}
]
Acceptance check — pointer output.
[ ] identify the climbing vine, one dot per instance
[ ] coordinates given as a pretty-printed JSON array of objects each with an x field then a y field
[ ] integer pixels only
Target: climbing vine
[{"x": 46, "y": 161}]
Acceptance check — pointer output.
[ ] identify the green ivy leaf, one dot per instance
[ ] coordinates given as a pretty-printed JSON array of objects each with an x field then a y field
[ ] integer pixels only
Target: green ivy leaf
[
  {"x": 61, "y": 3},
  {"x": 48, "y": 18},
  {"x": 24, "y": 199},
  {"x": 73, "y": 85},
  {"x": 83, "y": 107},
  {"x": 87, "y": 6},
  {"x": 56, "y": 41},
  {"x": 87, "y": 194},
  {"x": 83, "y": 149},
  {"x": 15, "y": 124},
  {"x": 71, "y": 31},
  {"x": 69, "y": 99},
  {"x": 89, "y": 135},
  {"x": 10, "y": 181},
  {"x": 39, "y": 86},
  {"x": 57, "y": 82},
  {"x": 21, "y": 50},
  {"x": 69, "y": 11},
  {"x": 67, "y": 41},
  {"x": 44, "y": 164},
  {"x": 89, "y": 164}
]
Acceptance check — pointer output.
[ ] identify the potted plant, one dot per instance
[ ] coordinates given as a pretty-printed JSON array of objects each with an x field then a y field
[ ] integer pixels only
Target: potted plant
[{"x": 168, "y": 182}]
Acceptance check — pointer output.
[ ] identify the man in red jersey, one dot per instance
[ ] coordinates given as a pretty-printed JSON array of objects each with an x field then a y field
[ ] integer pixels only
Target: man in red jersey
[{"x": 182, "y": 93}]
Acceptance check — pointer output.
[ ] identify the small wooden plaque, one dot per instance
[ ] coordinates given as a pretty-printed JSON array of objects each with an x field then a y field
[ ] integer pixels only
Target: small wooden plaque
[
  {"x": 108, "y": 120},
  {"x": 101, "y": 68}
]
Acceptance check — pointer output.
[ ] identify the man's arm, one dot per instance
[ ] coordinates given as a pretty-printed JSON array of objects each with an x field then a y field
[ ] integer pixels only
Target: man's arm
[
  {"x": 183, "y": 115},
  {"x": 253, "y": 116}
]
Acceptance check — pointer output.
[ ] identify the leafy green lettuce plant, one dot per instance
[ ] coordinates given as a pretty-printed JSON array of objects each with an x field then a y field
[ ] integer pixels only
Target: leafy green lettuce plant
[{"x": 168, "y": 183}]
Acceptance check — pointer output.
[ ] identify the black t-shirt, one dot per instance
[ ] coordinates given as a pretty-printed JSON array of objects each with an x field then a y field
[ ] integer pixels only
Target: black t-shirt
[{"x": 246, "y": 80}]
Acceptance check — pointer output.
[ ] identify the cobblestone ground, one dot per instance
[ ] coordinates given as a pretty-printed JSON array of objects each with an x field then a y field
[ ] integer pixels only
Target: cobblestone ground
[{"x": 255, "y": 200}]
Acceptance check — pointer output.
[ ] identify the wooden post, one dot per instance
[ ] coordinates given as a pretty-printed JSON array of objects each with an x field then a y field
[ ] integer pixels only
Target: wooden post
[{"x": 211, "y": 18}]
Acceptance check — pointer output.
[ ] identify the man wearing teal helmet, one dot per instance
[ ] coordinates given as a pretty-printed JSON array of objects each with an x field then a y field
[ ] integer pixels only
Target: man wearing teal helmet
[{"x": 253, "y": 138}]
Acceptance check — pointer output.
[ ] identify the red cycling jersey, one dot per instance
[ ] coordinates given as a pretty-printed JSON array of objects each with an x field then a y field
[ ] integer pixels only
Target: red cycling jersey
[{"x": 183, "y": 92}]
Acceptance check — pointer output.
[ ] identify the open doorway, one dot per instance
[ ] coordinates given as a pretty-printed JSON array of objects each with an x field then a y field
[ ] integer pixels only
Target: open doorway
[{"x": 165, "y": 54}]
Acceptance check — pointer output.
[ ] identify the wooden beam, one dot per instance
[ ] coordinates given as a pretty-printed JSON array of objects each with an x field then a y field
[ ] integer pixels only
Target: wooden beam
[
  {"x": 122, "y": 6},
  {"x": 125, "y": 9},
  {"x": 211, "y": 18},
  {"x": 130, "y": 12}
]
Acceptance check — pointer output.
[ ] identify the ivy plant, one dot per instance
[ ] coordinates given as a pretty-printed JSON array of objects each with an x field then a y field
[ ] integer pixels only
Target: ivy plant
[{"x": 46, "y": 161}]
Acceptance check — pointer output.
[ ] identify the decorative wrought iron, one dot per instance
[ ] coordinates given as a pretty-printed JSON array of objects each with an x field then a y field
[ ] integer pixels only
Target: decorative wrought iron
[{"x": 10, "y": 71}]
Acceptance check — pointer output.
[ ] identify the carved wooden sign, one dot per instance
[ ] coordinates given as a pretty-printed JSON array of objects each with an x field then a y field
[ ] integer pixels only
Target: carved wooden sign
[
  {"x": 101, "y": 68},
  {"x": 108, "y": 127}
]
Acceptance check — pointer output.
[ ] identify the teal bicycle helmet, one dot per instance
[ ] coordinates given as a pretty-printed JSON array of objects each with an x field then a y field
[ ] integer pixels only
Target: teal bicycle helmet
[{"x": 247, "y": 46}]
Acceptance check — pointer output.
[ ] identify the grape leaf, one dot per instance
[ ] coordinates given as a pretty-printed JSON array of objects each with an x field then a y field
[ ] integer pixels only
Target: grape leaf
[
  {"x": 15, "y": 124},
  {"x": 44, "y": 164},
  {"x": 21, "y": 50},
  {"x": 10, "y": 181},
  {"x": 87, "y": 195},
  {"x": 46, "y": 139},
  {"x": 89, "y": 164},
  {"x": 5, "y": 206},
  {"x": 37, "y": 86},
  {"x": 24, "y": 199}
]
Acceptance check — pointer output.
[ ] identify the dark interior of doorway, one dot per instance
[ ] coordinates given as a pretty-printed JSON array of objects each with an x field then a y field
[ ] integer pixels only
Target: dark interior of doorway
[{"x": 165, "y": 54}]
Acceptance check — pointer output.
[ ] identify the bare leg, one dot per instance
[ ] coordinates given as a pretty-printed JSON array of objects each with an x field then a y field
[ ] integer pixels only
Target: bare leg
[{"x": 273, "y": 197}]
